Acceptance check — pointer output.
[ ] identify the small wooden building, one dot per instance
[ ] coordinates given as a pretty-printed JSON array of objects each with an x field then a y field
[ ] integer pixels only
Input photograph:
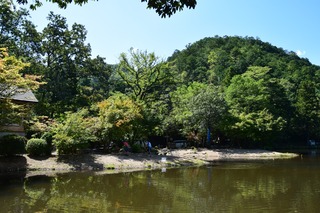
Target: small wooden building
[{"x": 18, "y": 128}]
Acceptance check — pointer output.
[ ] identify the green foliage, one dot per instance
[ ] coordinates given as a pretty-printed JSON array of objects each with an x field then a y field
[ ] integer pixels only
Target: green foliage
[
  {"x": 249, "y": 98},
  {"x": 145, "y": 75},
  {"x": 169, "y": 7},
  {"x": 256, "y": 126},
  {"x": 48, "y": 137},
  {"x": 74, "y": 133},
  {"x": 181, "y": 99},
  {"x": 12, "y": 83},
  {"x": 38, "y": 126},
  {"x": 119, "y": 118},
  {"x": 136, "y": 148},
  {"x": 208, "y": 107},
  {"x": 197, "y": 108},
  {"x": 164, "y": 8},
  {"x": 181, "y": 113},
  {"x": 94, "y": 78},
  {"x": 268, "y": 92},
  {"x": 65, "y": 54},
  {"x": 38, "y": 147},
  {"x": 308, "y": 108},
  {"x": 12, "y": 145},
  {"x": 148, "y": 81}
]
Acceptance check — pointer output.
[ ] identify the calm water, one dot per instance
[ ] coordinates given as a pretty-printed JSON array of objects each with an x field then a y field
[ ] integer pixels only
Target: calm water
[{"x": 260, "y": 186}]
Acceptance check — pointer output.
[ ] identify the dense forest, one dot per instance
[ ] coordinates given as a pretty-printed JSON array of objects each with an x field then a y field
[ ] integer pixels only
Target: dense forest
[{"x": 222, "y": 91}]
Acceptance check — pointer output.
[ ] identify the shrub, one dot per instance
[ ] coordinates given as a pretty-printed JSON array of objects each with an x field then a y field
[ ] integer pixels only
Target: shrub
[
  {"x": 38, "y": 147},
  {"x": 12, "y": 145},
  {"x": 67, "y": 145},
  {"x": 48, "y": 136},
  {"x": 136, "y": 148},
  {"x": 38, "y": 126}
]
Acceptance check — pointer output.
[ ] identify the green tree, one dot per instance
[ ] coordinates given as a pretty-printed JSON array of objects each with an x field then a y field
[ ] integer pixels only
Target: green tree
[
  {"x": 148, "y": 80},
  {"x": 11, "y": 24},
  {"x": 74, "y": 132},
  {"x": 94, "y": 82},
  {"x": 197, "y": 109},
  {"x": 144, "y": 74},
  {"x": 18, "y": 34},
  {"x": 65, "y": 54},
  {"x": 181, "y": 114},
  {"x": 308, "y": 109},
  {"x": 219, "y": 59},
  {"x": 208, "y": 110},
  {"x": 249, "y": 97},
  {"x": 163, "y": 7},
  {"x": 119, "y": 119},
  {"x": 168, "y": 7}
]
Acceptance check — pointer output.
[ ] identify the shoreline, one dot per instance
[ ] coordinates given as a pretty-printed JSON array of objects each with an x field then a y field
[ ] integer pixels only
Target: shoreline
[{"x": 115, "y": 163}]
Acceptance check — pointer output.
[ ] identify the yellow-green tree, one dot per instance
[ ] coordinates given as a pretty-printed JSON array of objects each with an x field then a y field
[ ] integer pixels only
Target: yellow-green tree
[
  {"x": 120, "y": 118},
  {"x": 12, "y": 83}
]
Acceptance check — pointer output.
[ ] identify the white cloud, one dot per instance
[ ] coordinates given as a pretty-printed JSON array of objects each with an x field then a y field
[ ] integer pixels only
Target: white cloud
[{"x": 300, "y": 53}]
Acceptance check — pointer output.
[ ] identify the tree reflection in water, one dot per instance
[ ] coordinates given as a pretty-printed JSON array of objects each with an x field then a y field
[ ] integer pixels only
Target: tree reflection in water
[{"x": 284, "y": 185}]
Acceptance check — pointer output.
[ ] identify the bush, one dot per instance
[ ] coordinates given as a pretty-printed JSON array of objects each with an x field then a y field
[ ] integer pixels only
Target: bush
[
  {"x": 136, "y": 148},
  {"x": 38, "y": 147},
  {"x": 68, "y": 145},
  {"x": 74, "y": 133},
  {"x": 38, "y": 126},
  {"x": 48, "y": 136},
  {"x": 12, "y": 145}
]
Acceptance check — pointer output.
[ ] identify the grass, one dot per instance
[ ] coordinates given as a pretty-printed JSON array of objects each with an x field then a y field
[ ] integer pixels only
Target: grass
[{"x": 110, "y": 166}]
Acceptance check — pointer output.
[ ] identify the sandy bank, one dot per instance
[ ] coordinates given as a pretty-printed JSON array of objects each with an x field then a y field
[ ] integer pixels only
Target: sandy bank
[{"x": 134, "y": 161}]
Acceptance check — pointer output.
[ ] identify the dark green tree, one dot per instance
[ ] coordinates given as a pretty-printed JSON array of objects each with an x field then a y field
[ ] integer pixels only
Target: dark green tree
[
  {"x": 18, "y": 34},
  {"x": 65, "y": 53},
  {"x": 208, "y": 110},
  {"x": 177, "y": 123},
  {"x": 308, "y": 109},
  {"x": 94, "y": 83},
  {"x": 252, "y": 106}
]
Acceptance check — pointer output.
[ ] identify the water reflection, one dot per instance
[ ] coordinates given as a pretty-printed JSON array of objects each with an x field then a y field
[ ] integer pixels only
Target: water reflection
[{"x": 263, "y": 186}]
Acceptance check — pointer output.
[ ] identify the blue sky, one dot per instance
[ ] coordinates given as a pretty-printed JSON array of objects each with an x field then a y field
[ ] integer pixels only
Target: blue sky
[{"x": 114, "y": 26}]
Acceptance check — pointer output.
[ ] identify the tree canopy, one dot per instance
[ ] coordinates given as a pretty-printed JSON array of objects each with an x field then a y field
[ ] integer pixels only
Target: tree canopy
[
  {"x": 163, "y": 7},
  {"x": 265, "y": 86},
  {"x": 245, "y": 91}
]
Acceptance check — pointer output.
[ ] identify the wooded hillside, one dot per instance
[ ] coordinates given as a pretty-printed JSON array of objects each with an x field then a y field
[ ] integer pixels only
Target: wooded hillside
[{"x": 226, "y": 91}]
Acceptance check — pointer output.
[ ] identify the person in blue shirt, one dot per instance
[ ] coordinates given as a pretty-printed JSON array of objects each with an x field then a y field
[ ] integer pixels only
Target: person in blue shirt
[{"x": 149, "y": 147}]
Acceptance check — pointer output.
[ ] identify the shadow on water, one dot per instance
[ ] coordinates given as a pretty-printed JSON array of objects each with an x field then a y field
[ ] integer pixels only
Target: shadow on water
[
  {"x": 12, "y": 172},
  {"x": 12, "y": 164},
  {"x": 307, "y": 153}
]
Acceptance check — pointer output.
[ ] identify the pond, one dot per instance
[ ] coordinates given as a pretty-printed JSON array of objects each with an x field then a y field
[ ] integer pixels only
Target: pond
[{"x": 239, "y": 186}]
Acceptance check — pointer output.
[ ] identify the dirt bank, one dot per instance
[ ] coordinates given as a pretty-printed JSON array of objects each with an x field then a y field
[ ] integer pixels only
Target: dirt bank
[{"x": 133, "y": 161}]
